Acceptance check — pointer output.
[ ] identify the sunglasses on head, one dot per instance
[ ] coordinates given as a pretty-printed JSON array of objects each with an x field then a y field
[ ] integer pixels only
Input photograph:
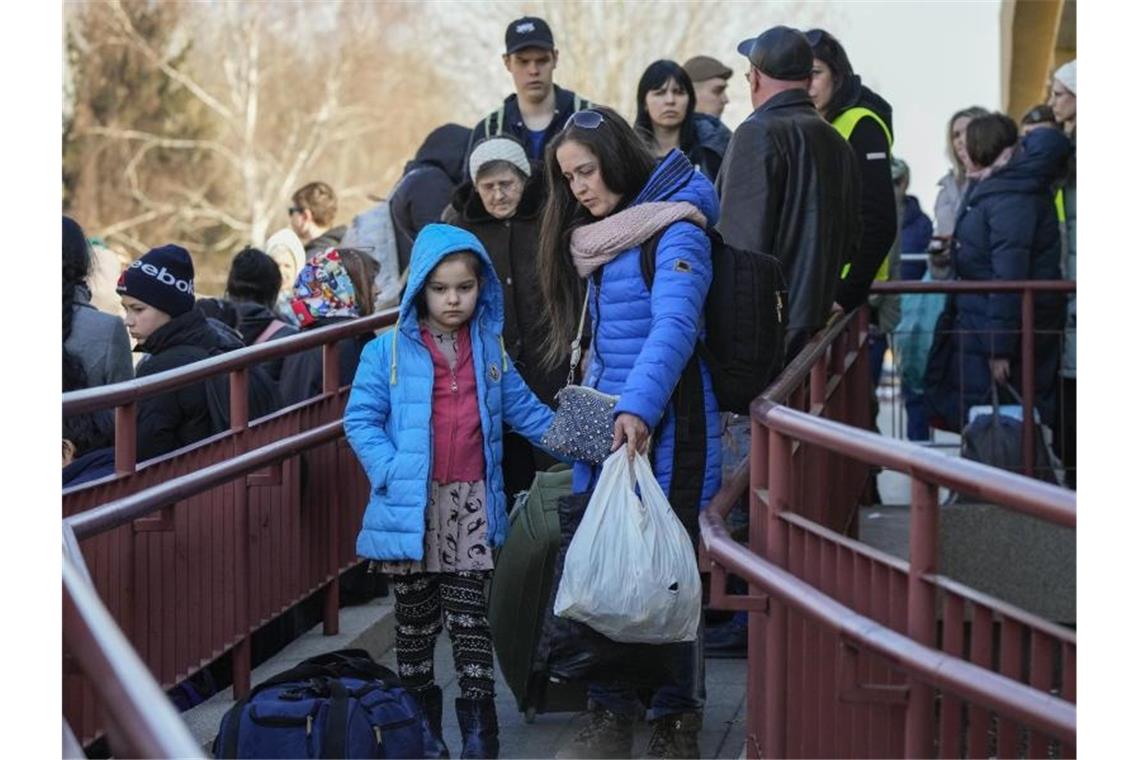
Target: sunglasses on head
[
  {"x": 585, "y": 119},
  {"x": 295, "y": 210}
]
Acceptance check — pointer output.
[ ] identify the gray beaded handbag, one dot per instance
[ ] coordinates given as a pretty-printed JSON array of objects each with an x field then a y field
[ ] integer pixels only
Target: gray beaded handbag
[{"x": 583, "y": 425}]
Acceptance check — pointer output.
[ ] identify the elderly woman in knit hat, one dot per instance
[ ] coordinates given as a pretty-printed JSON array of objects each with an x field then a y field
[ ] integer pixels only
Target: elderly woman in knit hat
[{"x": 501, "y": 206}]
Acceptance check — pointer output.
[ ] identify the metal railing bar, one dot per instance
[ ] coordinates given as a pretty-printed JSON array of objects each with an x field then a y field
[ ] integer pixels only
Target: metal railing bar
[
  {"x": 1005, "y": 609},
  {"x": 139, "y": 709},
  {"x": 122, "y": 511},
  {"x": 107, "y": 396},
  {"x": 865, "y": 550},
  {"x": 1016, "y": 492},
  {"x": 71, "y": 747},
  {"x": 976, "y": 684},
  {"x": 798, "y": 368},
  {"x": 973, "y": 286}
]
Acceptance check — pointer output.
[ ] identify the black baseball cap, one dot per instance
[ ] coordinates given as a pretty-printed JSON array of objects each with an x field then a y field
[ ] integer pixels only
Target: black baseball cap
[
  {"x": 528, "y": 31},
  {"x": 780, "y": 52}
]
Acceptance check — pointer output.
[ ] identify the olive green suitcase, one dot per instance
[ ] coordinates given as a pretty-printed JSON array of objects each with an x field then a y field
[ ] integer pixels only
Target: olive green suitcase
[{"x": 520, "y": 593}]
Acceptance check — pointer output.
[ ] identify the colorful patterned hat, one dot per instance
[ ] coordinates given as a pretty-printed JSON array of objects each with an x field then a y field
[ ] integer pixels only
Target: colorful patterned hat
[{"x": 323, "y": 289}]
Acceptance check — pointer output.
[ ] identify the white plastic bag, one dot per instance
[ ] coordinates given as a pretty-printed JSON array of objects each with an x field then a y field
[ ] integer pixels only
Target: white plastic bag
[{"x": 631, "y": 572}]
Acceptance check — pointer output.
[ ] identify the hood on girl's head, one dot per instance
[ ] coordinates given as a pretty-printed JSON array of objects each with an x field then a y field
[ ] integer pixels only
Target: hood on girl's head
[
  {"x": 435, "y": 243},
  {"x": 324, "y": 289}
]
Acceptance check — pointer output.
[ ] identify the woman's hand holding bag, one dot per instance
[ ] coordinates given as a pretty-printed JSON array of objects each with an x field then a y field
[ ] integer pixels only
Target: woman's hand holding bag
[{"x": 631, "y": 572}]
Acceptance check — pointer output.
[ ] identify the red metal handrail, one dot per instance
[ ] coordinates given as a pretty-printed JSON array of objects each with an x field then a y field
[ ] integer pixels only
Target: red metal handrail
[
  {"x": 1032, "y": 707},
  {"x": 774, "y": 589},
  {"x": 129, "y": 391},
  {"x": 141, "y": 720}
]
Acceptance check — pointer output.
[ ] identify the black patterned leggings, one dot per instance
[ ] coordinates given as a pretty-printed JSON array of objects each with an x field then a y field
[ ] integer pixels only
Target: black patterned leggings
[{"x": 419, "y": 600}]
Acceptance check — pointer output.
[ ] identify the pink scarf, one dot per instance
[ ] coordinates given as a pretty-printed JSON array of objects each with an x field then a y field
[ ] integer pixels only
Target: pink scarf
[
  {"x": 999, "y": 162},
  {"x": 597, "y": 244}
]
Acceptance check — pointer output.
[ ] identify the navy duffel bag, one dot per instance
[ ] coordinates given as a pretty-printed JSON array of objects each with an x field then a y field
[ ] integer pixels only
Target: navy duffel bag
[{"x": 336, "y": 705}]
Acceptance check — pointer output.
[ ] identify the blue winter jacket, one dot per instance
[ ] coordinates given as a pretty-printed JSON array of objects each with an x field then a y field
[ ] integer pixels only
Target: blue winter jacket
[
  {"x": 1007, "y": 229},
  {"x": 388, "y": 417},
  {"x": 641, "y": 339}
]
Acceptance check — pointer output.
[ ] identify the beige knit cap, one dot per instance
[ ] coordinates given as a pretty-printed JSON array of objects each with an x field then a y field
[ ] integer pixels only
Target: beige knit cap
[{"x": 498, "y": 149}]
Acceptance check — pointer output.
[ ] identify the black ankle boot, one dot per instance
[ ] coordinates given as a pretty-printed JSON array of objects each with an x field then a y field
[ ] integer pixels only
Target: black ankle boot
[
  {"x": 431, "y": 702},
  {"x": 479, "y": 724}
]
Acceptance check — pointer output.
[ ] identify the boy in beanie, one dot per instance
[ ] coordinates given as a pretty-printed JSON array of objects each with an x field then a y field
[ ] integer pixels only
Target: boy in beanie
[{"x": 158, "y": 296}]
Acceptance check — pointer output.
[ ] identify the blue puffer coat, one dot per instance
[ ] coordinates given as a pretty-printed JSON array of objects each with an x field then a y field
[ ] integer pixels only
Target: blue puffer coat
[
  {"x": 1007, "y": 229},
  {"x": 642, "y": 340},
  {"x": 388, "y": 417}
]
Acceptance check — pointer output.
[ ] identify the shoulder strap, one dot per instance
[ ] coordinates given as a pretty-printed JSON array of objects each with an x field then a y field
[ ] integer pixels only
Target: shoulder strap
[
  {"x": 274, "y": 327},
  {"x": 846, "y": 121},
  {"x": 576, "y": 344},
  {"x": 577, "y": 103}
]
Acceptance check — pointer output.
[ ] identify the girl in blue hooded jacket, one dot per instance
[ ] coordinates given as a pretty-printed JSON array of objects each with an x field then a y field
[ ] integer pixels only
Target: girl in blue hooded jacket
[{"x": 425, "y": 418}]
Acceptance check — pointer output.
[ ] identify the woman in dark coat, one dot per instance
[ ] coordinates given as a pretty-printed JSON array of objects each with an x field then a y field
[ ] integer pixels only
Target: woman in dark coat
[
  {"x": 1006, "y": 230},
  {"x": 501, "y": 207},
  {"x": 666, "y": 118}
]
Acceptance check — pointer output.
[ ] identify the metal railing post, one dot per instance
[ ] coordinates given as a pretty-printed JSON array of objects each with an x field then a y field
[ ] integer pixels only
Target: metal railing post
[
  {"x": 921, "y": 616},
  {"x": 775, "y": 674},
  {"x": 1028, "y": 389},
  {"x": 126, "y": 438},
  {"x": 242, "y": 663}
]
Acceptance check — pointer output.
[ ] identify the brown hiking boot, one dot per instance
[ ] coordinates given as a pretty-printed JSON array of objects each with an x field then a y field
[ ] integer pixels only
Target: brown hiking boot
[
  {"x": 605, "y": 735},
  {"x": 675, "y": 736}
]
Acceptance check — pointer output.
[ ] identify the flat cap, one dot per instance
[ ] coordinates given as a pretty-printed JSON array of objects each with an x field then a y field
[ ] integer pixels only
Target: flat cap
[
  {"x": 702, "y": 67},
  {"x": 780, "y": 52}
]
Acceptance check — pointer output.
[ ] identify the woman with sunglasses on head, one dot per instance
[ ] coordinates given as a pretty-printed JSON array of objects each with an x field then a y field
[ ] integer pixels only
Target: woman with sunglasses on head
[
  {"x": 607, "y": 200},
  {"x": 666, "y": 118}
]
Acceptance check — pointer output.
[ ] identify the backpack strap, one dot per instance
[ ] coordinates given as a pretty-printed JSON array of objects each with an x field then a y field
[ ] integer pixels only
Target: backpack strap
[{"x": 274, "y": 327}]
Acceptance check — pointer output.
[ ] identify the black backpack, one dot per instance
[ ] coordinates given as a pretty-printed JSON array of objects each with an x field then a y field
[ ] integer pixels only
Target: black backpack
[{"x": 744, "y": 319}]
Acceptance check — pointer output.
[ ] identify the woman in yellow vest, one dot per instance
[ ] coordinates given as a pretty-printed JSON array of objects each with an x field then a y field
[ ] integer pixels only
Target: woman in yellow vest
[{"x": 864, "y": 120}]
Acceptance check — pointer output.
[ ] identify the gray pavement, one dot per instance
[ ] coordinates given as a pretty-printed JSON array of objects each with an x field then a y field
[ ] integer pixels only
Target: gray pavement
[{"x": 372, "y": 626}]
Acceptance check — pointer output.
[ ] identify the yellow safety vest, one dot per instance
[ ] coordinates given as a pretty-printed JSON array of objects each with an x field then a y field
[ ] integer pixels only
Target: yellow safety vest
[{"x": 845, "y": 124}]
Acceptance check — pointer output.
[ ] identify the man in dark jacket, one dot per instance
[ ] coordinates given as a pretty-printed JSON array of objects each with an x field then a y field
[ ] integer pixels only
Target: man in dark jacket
[
  {"x": 158, "y": 297},
  {"x": 789, "y": 183},
  {"x": 539, "y": 108},
  {"x": 710, "y": 78},
  {"x": 311, "y": 217},
  {"x": 863, "y": 118},
  {"x": 425, "y": 188}
]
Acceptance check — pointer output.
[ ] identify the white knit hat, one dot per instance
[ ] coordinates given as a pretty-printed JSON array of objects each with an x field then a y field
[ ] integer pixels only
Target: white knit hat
[
  {"x": 1067, "y": 75},
  {"x": 498, "y": 149}
]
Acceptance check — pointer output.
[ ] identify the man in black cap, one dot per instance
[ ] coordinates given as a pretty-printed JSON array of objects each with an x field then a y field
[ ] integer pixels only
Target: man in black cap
[
  {"x": 539, "y": 108},
  {"x": 789, "y": 183}
]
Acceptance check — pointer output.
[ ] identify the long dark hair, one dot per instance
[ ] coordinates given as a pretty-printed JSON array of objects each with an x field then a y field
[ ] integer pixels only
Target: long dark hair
[
  {"x": 826, "y": 48},
  {"x": 656, "y": 76},
  {"x": 76, "y": 266},
  {"x": 626, "y": 165}
]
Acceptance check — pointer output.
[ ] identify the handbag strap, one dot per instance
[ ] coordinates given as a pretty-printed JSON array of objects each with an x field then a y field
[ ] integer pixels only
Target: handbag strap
[{"x": 576, "y": 344}]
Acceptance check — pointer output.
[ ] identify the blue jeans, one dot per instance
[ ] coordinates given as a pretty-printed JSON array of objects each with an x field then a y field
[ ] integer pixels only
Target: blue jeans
[
  {"x": 917, "y": 425},
  {"x": 684, "y": 690}
]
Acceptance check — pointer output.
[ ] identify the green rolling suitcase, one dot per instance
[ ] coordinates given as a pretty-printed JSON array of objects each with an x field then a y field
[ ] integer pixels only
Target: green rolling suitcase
[{"x": 520, "y": 593}]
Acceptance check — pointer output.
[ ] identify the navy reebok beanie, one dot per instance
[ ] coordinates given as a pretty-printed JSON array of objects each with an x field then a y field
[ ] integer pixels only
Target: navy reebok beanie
[{"x": 162, "y": 278}]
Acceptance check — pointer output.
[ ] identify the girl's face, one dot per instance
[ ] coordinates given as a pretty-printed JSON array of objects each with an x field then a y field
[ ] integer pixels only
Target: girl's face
[
  {"x": 142, "y": 319},
  {"x": 822, "y": 84},
  {"x": 666, "y": 105},
  {"x": 583, "y": 173},
  {"x": 958, "y": 138},
  {"x": 285, "y": 263},
  {"x": 451, "y": 293}
]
